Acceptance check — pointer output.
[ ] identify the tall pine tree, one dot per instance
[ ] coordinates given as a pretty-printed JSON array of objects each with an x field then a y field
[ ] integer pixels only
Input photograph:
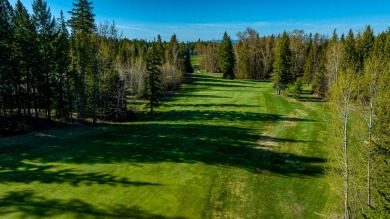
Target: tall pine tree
[
  {"x": 25, "y": 71},
  {"x": 154, "y": 89},
  {"x": 6, "y": 76},
  {"x": 282, "y": 64},
  {"x": 349, "y": 54},
  {"x": 61, "y": 57},
  {"x": 45, "y": 28},
  {"x": 83, "y": 27},
  {"x": 226, "y": 57}
]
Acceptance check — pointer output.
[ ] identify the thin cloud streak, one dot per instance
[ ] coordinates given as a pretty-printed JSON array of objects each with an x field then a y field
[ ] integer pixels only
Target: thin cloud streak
[{"x": 211, "y": 31}]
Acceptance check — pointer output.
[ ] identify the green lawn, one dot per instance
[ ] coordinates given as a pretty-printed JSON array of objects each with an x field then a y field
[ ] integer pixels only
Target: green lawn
[
  {"x": 195, "y": 62},
  {"x": 219, "y": 149}
]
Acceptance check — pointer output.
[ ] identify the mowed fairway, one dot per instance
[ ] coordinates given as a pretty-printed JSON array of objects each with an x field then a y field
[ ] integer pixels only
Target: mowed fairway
[{"x": 218, "y": 149}]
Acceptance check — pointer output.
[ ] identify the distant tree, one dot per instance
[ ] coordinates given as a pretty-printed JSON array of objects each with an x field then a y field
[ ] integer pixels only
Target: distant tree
[
  {"x": 298, "y": 52},
  {"x": 309, "y": 65},
  {"x": 226, "y": 57},
  {"x": 160, "y": 48},
  {"x": 267, "y": 56},
  {"x": 248, "y": 55},
  {"x": 154, "y": 90},
  {"x": 282, "y": 64},
  {"x": 333, "y": 58},
  {"x": 365, "y": 46},
  {"x": 174, "y": 52},
  {"x": 207, "y": 52},
  {"x": 173, "y": 69},
  {"x": 320, "y": 82},
  {"x": 349, "y": 54}
]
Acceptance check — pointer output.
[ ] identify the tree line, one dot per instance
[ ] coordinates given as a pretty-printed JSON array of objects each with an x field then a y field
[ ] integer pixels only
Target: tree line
[{"x": 76, "y": 70}]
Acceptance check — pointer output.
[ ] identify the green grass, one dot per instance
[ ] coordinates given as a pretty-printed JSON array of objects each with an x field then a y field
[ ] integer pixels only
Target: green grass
[
  {"x": 195, "y": 62},
  {"x": 219, "y": 149}
]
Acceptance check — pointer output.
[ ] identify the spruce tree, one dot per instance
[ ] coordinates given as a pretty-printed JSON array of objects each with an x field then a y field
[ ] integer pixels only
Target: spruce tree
[
  {"x": 349, "y": 54},
  {"x": 226, "y": 57},
  {"x": 61, "y": 58},
  {"x": 154, "y": 89},
  {"x": 308, "y": 71},
  {"x": 6, "y": 76},
  {"x": 282, "y": 64},
  {"x": 45, "y": 28},
  {"x": 367, "y": 44},
  {"x": 82, "y": 18},
  {"x": 187, "y": 62},
  {"x": 25, "y": 56},
  {"x": 83, "y": 27}
]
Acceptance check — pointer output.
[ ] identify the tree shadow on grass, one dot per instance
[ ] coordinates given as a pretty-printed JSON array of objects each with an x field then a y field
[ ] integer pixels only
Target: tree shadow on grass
[
  {"x": 229, "y": 116},
  {"x": 215, "y": 79},
  {"x": 29, "y": 205},
  {"x": 190, "y": 94},
  {"x": 154, "y": 143},
  {"x": 22, "y": 172},
  {"x": 217, "y": 105},
  {"x": 311, "y": 99}
]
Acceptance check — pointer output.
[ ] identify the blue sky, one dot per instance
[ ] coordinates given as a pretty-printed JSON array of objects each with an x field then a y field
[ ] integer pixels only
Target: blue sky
[{"x": 208, "y": 19}]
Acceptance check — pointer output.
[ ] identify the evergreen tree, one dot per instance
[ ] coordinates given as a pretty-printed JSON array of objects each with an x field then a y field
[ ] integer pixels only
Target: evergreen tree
[
  {"x": 154, "y": 90},
  {"x": 187, "y": 62},
  {"x": 282, "y": 64},
  {"x": 349, "y": 54},
  {"x": 160, "y": 48},
  {"x": 6, "y": 76},
  {"x": 366, "y": 45},
  {"x": 45, "y": 28},
  {"x": 82, "y": 18},
  {"x": 26, "y": 75},
  {"x": 309, "y": 66},
  {"x": 61, "y": 58},
  {"x": 226, "y": 57},
  {"x": 83, "y": 26}
]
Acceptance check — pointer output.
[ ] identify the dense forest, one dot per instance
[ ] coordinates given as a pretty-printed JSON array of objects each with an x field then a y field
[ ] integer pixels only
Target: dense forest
[{"x": 73, "y": 70}]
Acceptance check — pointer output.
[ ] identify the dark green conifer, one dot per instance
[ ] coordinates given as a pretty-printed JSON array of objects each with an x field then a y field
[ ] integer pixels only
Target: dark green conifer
[
  {"x": 225, "y": 57},
  {"x": 154, "y": 89},
  {"x": 282, "y": 64}
]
